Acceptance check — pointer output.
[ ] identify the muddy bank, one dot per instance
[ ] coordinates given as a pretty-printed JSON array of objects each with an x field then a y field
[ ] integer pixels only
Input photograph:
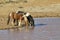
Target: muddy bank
[{"x": 3, "y": 21}]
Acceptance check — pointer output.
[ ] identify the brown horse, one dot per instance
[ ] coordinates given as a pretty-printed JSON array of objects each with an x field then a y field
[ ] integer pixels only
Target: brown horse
[{"x": 14, "y": 16}]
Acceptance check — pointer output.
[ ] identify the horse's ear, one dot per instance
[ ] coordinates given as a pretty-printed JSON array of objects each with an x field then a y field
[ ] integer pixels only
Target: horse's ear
[{"x": 25, "y": 13}]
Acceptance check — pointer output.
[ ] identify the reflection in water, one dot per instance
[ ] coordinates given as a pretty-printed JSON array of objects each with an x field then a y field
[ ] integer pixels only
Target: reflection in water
[{"x": 14, "y": 35}]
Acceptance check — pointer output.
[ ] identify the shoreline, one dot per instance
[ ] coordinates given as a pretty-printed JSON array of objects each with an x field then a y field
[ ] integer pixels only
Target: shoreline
[{"x": 38, "y": 14}]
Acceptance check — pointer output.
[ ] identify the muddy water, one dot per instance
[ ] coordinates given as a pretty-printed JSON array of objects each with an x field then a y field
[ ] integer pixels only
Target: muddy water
[{"x": 45, "y": 29}]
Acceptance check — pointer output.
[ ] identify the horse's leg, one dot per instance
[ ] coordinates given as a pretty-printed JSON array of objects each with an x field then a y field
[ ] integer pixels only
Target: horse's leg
[
  {"x": 20, "y": 22},
  {"x": 8, "y": 20},
  {"x": 12, "y": 22},
  {"x": 26, "y": 23},
  {"x": 17, "y": 22}
]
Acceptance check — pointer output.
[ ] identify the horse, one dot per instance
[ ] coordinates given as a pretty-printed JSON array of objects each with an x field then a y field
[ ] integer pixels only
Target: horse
[
  {"x": 30, "y": 19},
  {"x": 15, "y": 17}
]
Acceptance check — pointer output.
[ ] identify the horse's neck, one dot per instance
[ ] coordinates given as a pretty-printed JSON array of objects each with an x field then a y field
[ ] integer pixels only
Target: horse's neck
[{"x": 25, "y": 18}]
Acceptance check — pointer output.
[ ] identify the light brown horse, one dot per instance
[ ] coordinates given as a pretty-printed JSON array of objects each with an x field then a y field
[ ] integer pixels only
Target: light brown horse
[{"x": 14, "y": 16}]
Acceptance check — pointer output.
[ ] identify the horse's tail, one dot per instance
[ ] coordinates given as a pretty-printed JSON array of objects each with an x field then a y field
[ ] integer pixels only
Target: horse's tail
[{"x": 8, "y": 20}]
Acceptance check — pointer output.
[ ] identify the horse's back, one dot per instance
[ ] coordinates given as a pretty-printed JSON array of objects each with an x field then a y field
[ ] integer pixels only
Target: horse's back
[
  {"x": 18, "y": 16},
  {"x": 15, "y": 15}
]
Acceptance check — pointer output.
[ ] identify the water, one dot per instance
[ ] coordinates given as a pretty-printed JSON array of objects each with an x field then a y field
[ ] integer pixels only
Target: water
[{"x": 45, "y": 29}]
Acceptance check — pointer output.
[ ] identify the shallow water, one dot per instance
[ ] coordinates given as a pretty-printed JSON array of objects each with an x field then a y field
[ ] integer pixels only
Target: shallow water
[{"x": 45, "y": 29}]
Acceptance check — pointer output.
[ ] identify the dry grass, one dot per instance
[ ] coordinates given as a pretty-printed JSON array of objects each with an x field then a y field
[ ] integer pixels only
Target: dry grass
[
  {"x": 7, "y": 6},
  {"x": 37, "y": 8}
]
